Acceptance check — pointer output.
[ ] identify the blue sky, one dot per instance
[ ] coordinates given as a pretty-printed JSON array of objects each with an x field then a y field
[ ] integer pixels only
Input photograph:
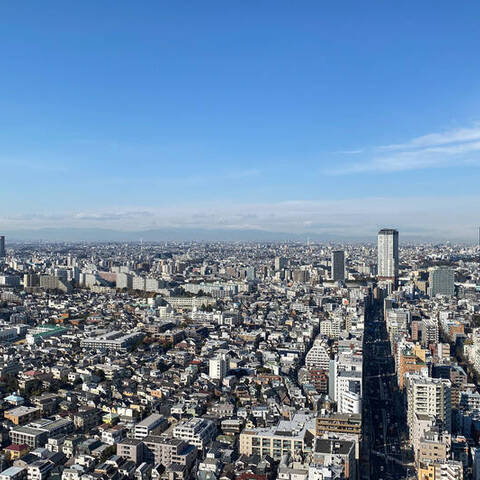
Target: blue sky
[{"x": 288, "y": 116}]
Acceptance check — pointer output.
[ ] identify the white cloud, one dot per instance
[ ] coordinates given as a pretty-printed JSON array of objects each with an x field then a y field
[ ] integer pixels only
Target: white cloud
[
  {"x": 457, "y": 147},
  {"x": 459, "y": 135}
]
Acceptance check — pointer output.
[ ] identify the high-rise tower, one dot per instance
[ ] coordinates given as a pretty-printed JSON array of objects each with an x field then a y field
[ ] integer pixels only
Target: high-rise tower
[
  {"x": 3, "y": 252},
  {"x": 338, "y": 265},
  {"x": 388, "y": 255}
]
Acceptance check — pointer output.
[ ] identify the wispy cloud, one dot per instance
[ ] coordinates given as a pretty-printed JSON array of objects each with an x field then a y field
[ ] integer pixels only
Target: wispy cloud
[
  {"x": 458, "y": 147},
  {"x": 350, "y": 152},
  {"x": 459, "y": 135}
]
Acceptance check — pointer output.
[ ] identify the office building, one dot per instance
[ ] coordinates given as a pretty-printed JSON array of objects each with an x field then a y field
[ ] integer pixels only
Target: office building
[
  {"x": 250, "y": 274},
  {"x": 339, "y": 423},
  {"x": 337, "y": 271},
  {"x": 3, "y": 252},
  {"x": 441, "y": 281},
  {"x": 388, "y": 255}
]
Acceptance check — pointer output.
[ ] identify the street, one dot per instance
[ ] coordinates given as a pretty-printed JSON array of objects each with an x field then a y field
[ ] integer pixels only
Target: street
[{"x": 384, "y": 417}]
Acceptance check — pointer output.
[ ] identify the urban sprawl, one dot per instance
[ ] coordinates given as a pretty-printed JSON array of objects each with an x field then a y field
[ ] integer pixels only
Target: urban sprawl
[{"x": 248, "y": 361}]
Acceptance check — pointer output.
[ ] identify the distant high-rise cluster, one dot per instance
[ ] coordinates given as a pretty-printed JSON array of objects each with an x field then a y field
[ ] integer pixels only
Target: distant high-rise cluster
[{"x": 388, "y": 255}]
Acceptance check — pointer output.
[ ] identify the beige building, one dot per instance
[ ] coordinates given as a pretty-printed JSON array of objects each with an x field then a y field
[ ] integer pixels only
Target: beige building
[
  {"x": 22, "y": 415},
  {"x": 434, "y": 446},
  {"x": 447, "y": 470}
]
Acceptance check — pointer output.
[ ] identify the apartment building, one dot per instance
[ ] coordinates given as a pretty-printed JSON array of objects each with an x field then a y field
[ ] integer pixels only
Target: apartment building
[
  {"x": 14, "y": 473},
  {"x": 288, "y": 437},
  {"x": 165, "y": 451},
  {"x": 196, "y": 431},
  {"x": 22, "y": 415},
  {"x": 153, "y": 424},
  {"x": 428, "y": 396}
]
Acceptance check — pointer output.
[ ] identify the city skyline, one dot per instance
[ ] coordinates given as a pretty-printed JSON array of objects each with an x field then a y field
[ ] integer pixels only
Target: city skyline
[
  {"x": 329, "y": 121},
  {"x": 240, "y": 240}
]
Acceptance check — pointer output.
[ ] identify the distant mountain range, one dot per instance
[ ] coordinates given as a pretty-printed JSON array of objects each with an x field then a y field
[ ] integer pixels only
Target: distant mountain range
[
  {"x": 158, "y": 235},
  {"x": 182, "y": 234}
]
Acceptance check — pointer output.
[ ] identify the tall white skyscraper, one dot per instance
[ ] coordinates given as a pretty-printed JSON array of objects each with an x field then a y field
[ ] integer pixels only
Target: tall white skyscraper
[
  {"x": 338, "y": 265},
  {"x": 388, "y": 255},
  {"x": 280, "y": 263}
]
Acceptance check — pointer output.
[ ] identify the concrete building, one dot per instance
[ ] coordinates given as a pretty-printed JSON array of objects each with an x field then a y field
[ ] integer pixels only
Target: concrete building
[
  {"x": 39, "y": 470},
  {"x": 131, "y": 449},
  {"x": 153, "y": 424},
  {"x": 331, "y": 451},
  {"x": 113, "y": 341},
  {"x": 280, "y": 263},
  {"x": 165, "y": 451},
  {"x": 434, "y": 446},
  {"x": 196, "y": 431},
  {"x": 124, "y": 280},
  {"x": 348, "y": 391},
  {"x": 51, "y": 282},
  {"x": 318, "y": 356},
  {"x": 22, "y": 415},
  {"x": 428, "y": 396},
  {"x": 33, "y": 437},
  {"x": 36, "y": 335},
  {"x": 447, "y": 470},
  {"x": 339, "y": 423},
  {"x": 14, "y": 473},
  {"x": 441, "y": 281},
  {"x": 218, "y": 366},
  {"x": 287, "y": 437}
]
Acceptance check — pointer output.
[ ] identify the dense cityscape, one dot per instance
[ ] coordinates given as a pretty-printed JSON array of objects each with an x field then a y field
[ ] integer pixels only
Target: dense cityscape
[
  {"x": 239, "y": 240},
  {"x": 240, "y": 361}
]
